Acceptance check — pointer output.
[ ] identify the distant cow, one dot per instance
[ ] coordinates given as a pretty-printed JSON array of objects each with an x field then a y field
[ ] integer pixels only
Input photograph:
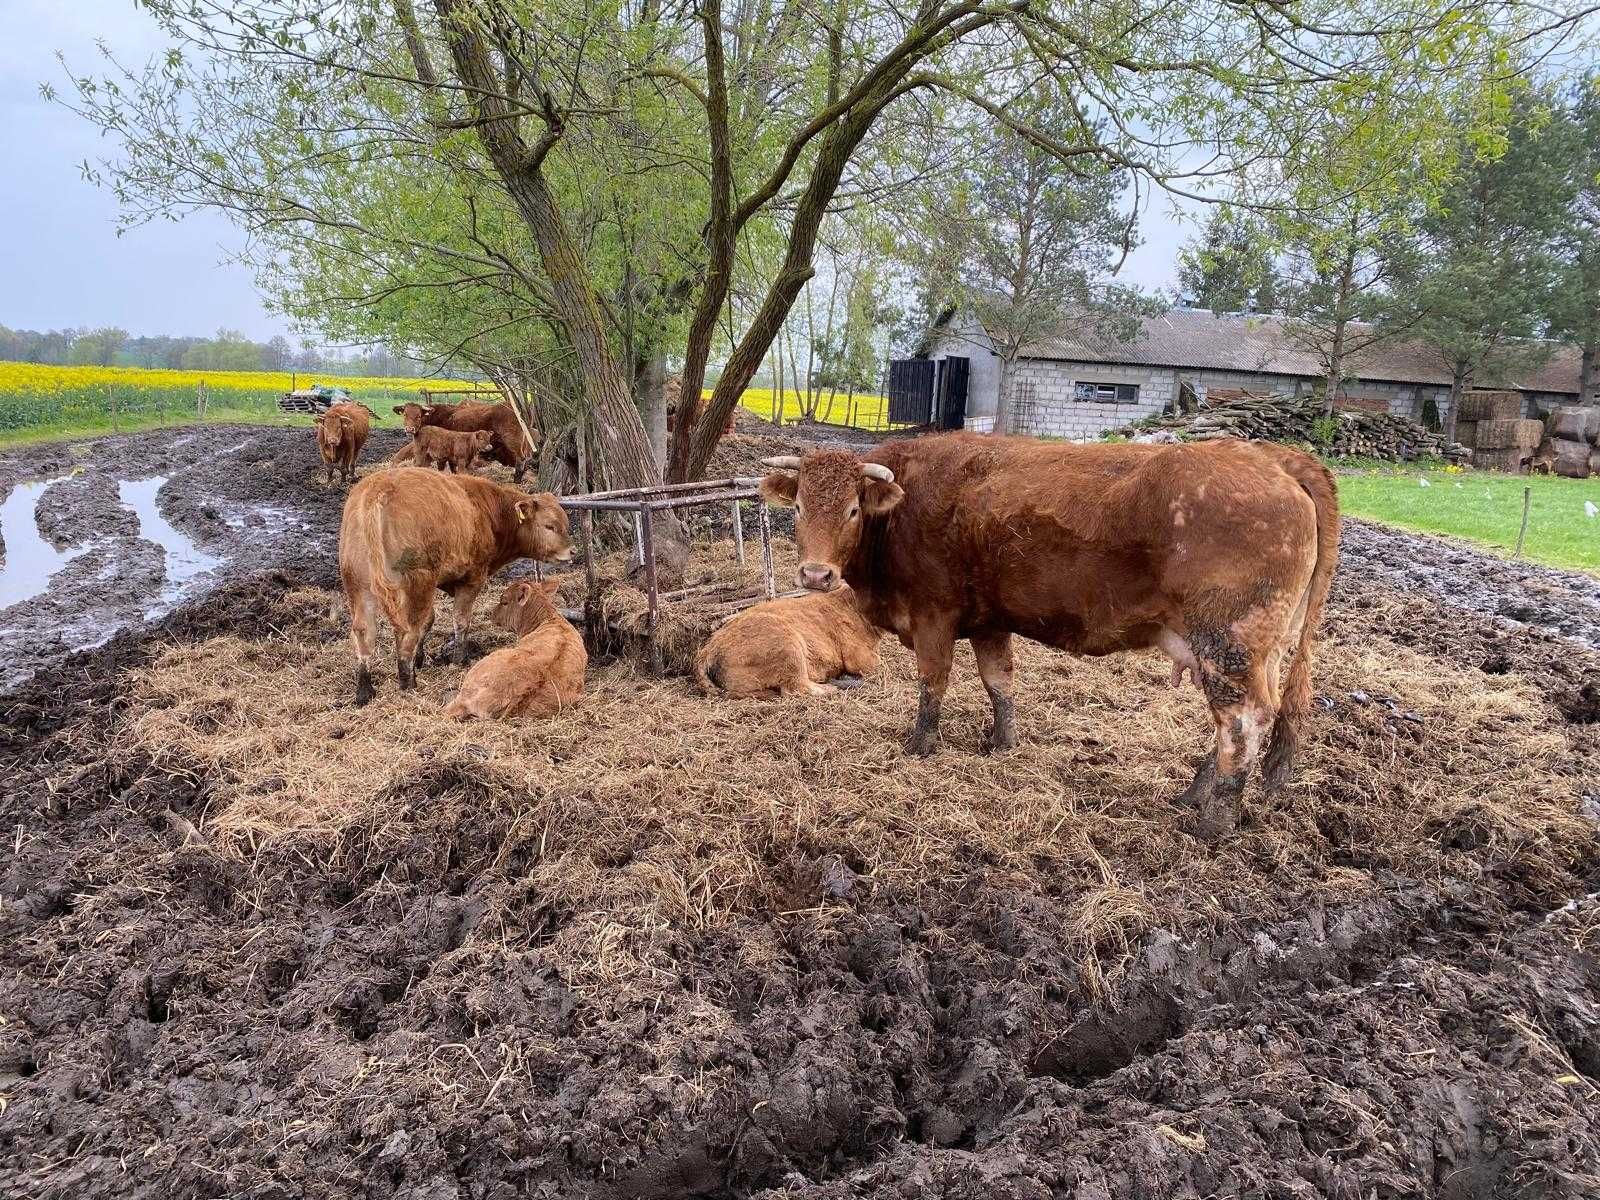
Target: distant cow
[
  {"x": 449, "y": 450},
  {"x": 341, "y": 432},
  {"x": 510, "y": 446},
  {"x": 789, "y": 647},
  {"x": 672, "y": 418},
  {"x": 1218, "y": 553},
  {"x": 539, "y": 676},
  {"x": 406, "y": 533}
]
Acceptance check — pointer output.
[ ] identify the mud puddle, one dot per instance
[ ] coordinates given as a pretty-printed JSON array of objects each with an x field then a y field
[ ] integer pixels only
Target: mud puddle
[
  {"x": 30, "y": 562},
  {"x": 185, "y": 562}
]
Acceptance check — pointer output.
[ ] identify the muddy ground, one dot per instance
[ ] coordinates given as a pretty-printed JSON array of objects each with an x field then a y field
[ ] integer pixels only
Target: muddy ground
[{"x": 404, "y": 1006}]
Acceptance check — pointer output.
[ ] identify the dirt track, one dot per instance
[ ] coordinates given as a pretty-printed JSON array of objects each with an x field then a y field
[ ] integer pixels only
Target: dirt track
[{"x": 388, "y": 1012}]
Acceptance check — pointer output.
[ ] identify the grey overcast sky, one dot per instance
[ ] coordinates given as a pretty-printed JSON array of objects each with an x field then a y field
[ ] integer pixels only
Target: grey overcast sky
[{"x": 61, "y": 261}]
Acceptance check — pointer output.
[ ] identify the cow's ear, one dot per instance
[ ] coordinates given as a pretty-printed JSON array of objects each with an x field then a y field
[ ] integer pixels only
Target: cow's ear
[
  {"x": 878, "y": 497},
  {"x": 346, "y": 421},
  {"x": 551, "y": 586},
  {"x": 399, "y": 410},
  {"x": 780, "y": 488},
  {"x": 524, "y": 510}
]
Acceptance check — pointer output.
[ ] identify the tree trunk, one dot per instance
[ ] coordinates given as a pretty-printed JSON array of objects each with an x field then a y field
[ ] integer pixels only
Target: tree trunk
[
  {"x": 1460, "y": 380},
  {"x": 650, "y": 394},
  {"x": 1003, "y": 416},
  {"x": 1589, "y": 374},
  {"x": 624, "y": 448}
]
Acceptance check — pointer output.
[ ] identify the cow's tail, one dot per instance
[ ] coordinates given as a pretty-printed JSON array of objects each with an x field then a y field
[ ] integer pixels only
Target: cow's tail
[{"x": 1318, "y": 483}]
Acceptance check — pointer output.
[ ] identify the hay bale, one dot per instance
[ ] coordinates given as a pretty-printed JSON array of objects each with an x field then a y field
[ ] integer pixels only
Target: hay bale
[
  {"x": 1490, "y": 406},
  {"x": 1509, "y": 460},
  {"x": 1576, "y": 424},
  {"x": 1499, "y": 434},
  {"x": 1467, "y": 433},
  {"x": 1572, "y": 458},
  {"x": 1594, "y": 461}
]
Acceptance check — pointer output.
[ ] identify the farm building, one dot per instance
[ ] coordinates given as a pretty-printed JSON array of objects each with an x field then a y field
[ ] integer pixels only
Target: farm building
[{"x": 1077, "y": 386}]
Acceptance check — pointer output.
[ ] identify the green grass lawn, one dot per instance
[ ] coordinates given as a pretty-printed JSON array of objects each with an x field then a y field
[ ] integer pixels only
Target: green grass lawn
[
  {"x": 1484, "y": 507},
  {"x": 84, "y": 427}
]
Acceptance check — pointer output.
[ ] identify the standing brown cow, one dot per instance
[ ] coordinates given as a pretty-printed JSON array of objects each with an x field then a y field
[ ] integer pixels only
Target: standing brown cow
[
  {"x": 539, "y": 676},
  {"x": 407, "y": 533},
  {"x": 510, "y": 445},
  {"x": 341, "y": 432},
  {"x": 1218, "y": 553}
]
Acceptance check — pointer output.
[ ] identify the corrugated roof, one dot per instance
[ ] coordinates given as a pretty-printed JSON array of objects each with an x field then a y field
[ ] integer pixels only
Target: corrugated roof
[{"x": 1198, "y": 339}]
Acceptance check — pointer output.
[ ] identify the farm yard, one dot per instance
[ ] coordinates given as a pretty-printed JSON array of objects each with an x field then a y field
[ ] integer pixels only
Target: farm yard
[{"x": 258, "y": 942}]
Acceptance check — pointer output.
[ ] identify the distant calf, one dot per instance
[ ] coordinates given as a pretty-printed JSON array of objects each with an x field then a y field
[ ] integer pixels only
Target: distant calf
[
  {"x": 406, "y": 533},
  {"x": 449, "y": 450},
  {"x": 510, "y": 445},
  {"x": 789, "y": 647},
  {"x": 539, "y": 676},
  {"x": 341, "y": 432}
]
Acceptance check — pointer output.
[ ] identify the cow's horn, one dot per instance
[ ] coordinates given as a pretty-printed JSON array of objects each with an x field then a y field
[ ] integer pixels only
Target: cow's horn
[
  {"x": 877, "y": 471},
  {"x": 783, "y": 462}
]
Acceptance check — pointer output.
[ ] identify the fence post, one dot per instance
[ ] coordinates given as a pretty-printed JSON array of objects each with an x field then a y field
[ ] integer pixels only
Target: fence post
[
  {"x": 114, "y": 426},
  {"x": 1527, "y": 498}
]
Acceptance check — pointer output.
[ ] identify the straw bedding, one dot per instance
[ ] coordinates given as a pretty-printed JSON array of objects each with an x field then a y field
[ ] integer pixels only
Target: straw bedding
[{"x": 646, "y": 812}]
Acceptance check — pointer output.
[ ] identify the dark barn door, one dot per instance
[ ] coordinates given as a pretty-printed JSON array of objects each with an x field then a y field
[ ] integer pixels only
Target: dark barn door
[
  {"x": 911, "y": 391},
  {"x": 953, "y": 392}
]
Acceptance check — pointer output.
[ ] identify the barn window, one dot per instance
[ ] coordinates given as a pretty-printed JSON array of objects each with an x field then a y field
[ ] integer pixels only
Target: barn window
[{"x": 1106, "y": 393}]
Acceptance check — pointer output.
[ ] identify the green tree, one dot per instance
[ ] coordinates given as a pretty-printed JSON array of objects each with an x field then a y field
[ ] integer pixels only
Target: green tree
[
  {"x": 1489, "y": 250},
  {"x": 98, "y": 347},
  {"x": 1232, "y": 266},
  {"x": 1575, "y": 291}
]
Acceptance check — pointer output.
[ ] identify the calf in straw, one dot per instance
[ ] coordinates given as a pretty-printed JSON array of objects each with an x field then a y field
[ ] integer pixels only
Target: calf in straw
[{"x": 540, "y": 675}]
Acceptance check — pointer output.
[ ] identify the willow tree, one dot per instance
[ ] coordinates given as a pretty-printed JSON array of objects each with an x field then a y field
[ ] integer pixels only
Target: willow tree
[{"x": 755, "y": 121}]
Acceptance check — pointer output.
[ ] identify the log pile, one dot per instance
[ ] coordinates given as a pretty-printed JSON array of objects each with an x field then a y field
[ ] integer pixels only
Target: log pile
[
  {"x": 1258, "y": 416},
  {"x": 1572, "y": 444}
]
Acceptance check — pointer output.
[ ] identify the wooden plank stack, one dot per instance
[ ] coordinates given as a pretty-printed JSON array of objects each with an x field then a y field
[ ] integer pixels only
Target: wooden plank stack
[{"x": 1294, "y": 419}]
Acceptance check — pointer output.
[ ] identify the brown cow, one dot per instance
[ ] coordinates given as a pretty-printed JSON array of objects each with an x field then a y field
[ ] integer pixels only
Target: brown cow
[
  {"x": 406, "y": 533},
  {"x": 341, "y": 432},
  {"x": 789, "y": 647},
  {"x": 449, "y": 450},
  {"x": 539, "y": 676},
  {"x": 1219, "y": 553},
  {"x": 511, "y": 445}
]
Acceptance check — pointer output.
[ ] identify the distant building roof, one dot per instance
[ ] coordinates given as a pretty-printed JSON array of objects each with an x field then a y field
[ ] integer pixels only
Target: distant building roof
[{"x": 1199, "y": 339}]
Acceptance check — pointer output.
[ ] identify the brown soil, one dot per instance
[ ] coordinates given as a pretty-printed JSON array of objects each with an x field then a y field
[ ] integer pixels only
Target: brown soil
[{"x": 258, "y": 943}]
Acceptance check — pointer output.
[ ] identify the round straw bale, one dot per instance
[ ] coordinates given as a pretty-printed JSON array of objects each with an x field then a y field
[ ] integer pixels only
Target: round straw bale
[{"x": 1572, "y": 458}]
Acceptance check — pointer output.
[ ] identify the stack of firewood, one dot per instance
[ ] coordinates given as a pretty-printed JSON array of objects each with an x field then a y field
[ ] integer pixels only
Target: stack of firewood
[{"x": 1278, "y": 418}]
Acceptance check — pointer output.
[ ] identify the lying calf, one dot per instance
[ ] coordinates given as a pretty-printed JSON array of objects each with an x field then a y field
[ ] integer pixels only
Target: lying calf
[
  {"x": 789, "y": 647},
  {"x": 540, "y": 675},
  {"x": 442, "y": 448}
]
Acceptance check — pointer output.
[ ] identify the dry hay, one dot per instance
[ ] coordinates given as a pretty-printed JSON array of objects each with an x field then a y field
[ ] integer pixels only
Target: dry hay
[
  {"x": 647, "y": 814},
  {"x": 681, "y": 625}
]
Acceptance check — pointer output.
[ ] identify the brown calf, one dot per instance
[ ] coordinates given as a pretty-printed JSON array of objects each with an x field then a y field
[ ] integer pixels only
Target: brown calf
[
  {"x": 407, "y": 533},
  {"x": 1218, "y": 553},
  {"x": 448, "y": 450},
  {"x": 510, "y": 445},
  {"x": 341, "y": 432},
  {"x": 789, "y": 647},
  {"x": 539, "y": 676}
]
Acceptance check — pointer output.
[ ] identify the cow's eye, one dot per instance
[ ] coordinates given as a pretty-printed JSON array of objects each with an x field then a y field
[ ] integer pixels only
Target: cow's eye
[
  {"x": 799, "y": 509},
  {"x": 854, "y": 513}
]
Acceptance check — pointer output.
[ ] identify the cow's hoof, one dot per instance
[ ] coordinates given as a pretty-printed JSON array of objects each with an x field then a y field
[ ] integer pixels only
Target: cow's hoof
[
  {"x": 364, "y": 690},
  {"x": 1207, "y": 827},
  {"x": 921, "y": 744},
  {"x": 998, "y": 741}
]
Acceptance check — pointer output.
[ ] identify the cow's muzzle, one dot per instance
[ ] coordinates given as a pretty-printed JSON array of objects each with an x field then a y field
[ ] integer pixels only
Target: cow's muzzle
[
  {"x": 565, "y": 555},
  {"x": 817, "y": 577}
]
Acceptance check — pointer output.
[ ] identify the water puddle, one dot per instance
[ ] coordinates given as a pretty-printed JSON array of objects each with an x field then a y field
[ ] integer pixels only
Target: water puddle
[
  {"x": 30, "y": 561},
  {"x": 184, "y": 560}
]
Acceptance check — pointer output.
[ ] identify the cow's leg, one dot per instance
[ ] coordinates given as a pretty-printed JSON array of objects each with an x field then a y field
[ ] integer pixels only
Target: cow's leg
[
  {"x": 520, "y": 469},
  {"x": 363, "y": 619},
  {"x": 994, "y": 668},
  {"x": 421, "y": 656},
  {"x": 461, "y": 602},
  {"x": 934, "y": 642},
  {"x": 1242, "y": 691},
  {"x": 416, "y": 614}
]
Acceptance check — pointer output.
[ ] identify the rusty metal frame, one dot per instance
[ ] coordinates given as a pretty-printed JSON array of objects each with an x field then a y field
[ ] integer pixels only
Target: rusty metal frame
[{"x": 643, "y": 504}]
